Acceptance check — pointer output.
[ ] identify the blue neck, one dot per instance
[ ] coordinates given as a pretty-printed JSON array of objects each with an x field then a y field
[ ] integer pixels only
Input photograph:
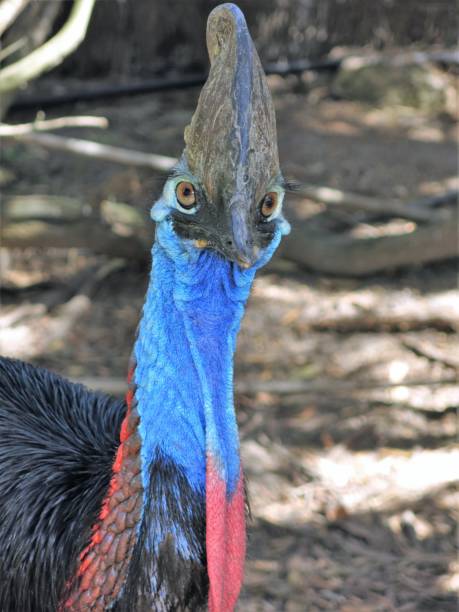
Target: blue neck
[{"x": 184, "y": 356}]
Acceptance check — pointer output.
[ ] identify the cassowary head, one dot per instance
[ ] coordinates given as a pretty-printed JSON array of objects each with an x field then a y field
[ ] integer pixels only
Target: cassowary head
[{"x": 226, "y": 192}]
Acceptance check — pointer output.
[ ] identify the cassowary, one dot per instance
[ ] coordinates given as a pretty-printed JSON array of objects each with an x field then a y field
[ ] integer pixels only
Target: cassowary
[{"x": 139, "y": 505}]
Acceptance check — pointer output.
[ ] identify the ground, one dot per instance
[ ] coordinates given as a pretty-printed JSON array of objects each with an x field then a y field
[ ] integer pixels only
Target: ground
[{"x": 346, "y": 413}]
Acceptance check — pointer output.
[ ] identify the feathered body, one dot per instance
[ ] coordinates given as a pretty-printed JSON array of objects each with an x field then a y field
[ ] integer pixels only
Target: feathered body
[
  {"x": 58, "y": 443},
  {"x": 139, "y": 505},
  {"x": 56, "y": 455}
]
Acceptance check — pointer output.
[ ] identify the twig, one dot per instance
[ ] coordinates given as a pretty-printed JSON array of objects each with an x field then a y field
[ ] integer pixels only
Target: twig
[
  {"x": 52, "y": 124},
  {"x": 10, "y": 49},
  {"x": 52, "y": 52},
  {"x": 97, "y": 150},
  {"x": 415, "y": 211},
  {"x": 422, "y": 349}
]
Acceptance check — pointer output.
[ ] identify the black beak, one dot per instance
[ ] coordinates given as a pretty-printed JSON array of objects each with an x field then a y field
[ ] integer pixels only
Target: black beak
[{"x": 245, "y": 250}]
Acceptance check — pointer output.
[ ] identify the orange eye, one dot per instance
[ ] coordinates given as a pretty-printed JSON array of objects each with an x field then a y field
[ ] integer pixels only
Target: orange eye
[
  {"x": 186, "y": 195},
  {"x": 269, "y": 204}
]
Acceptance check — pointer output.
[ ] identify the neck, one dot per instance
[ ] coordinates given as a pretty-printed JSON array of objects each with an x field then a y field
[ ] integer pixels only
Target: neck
[
  {"x": 184, "y": 392},
  {"x": 177, "y": 467},
  {"x": 184, "y": 365}
]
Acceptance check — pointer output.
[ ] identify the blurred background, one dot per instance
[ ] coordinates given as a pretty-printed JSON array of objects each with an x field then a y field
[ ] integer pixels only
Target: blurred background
[{"x": 347, "y": 365}]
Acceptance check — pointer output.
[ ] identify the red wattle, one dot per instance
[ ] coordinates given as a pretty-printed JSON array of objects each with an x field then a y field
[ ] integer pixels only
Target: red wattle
[{"x": 225, "y": 540}]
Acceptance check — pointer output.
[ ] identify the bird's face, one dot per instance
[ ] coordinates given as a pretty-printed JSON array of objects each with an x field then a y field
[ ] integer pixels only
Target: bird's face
[
  {"x": 226, "y": 192},
  {"x": 239, "y": 230}
]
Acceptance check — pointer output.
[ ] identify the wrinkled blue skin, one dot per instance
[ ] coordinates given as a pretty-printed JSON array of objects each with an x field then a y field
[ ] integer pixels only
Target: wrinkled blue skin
[{"x": 184, "y": 352}]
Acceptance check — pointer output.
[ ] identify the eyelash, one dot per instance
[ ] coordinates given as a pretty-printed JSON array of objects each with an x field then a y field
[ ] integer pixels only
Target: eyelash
[{"x": 290, "y": 185}]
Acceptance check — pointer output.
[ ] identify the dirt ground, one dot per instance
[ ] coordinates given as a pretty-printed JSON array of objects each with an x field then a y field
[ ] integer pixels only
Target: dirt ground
[{"x": 352, "y": 473}]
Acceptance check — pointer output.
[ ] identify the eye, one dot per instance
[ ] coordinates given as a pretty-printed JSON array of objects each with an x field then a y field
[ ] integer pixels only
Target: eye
[
  {"x": 269, "y": 204},
  {"x": 186, "y": 195}
]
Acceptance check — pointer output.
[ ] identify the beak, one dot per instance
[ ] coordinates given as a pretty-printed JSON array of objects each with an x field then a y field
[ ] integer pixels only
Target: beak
[
  {"x": 245, "y": 251},
  {"x": 231, "y": 142},
  {"x": 233, "y": 240}
]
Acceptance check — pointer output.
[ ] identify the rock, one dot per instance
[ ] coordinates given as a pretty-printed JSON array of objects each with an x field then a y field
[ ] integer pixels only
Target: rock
[{"x": 422, "y": 87}]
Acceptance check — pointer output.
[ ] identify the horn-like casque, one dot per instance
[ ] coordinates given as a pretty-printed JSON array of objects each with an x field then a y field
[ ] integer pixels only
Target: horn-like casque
[{"x": 231, "y": 143}]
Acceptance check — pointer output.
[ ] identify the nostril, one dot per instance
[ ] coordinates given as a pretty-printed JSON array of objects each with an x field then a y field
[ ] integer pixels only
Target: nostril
[{"x": 229, "y": 243}]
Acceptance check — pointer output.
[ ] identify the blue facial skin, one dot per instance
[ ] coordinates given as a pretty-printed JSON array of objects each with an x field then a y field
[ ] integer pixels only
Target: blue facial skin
[{"x": 184, "y": 351}]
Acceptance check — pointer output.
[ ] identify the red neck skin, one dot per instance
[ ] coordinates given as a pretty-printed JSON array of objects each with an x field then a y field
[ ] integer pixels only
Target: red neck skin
[
  {"x": 104, "y": 562},
  {"x": 225, "y": 540}
]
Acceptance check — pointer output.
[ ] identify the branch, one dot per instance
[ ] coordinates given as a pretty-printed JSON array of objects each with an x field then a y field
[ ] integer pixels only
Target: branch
[
  {"x": 13, "y": 48},
  {"x": 9, "y": 10},
  {"x": 52, "y": 52},
  {"x": 51, "y": 124},
  {"x": 350, "y": 256},
  {"x": 97, "y": 150}
]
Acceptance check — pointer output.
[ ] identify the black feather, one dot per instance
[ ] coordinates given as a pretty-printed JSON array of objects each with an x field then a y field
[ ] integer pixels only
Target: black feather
[
  {"x": 57, "y": 446},
  {"x": 164, "y": 580}
]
